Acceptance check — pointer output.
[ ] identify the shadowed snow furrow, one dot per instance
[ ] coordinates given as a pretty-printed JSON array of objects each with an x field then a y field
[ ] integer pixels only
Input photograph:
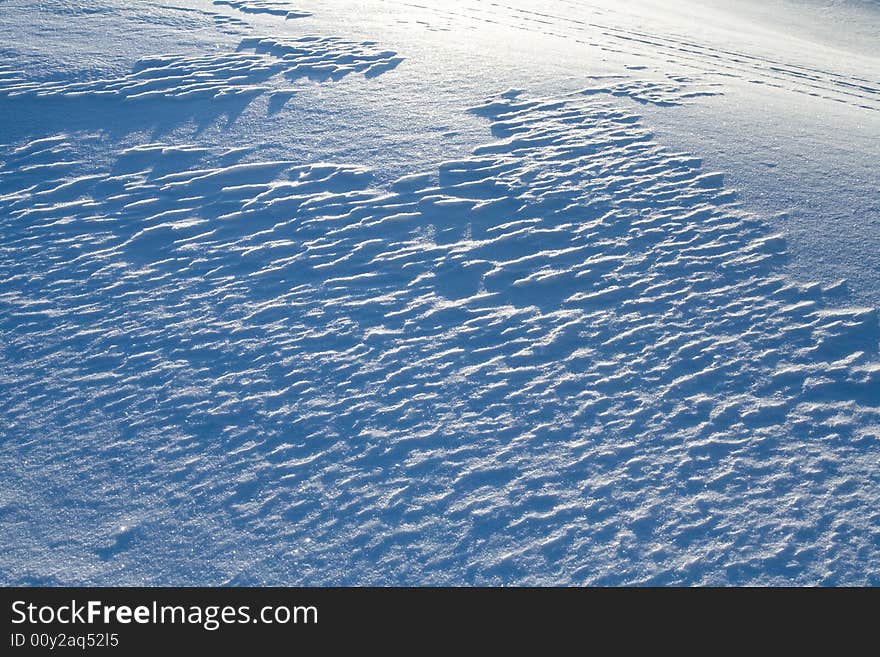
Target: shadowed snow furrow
[
  {"x": 239, "y": 74},
  {"x": 568, "y": 358}
]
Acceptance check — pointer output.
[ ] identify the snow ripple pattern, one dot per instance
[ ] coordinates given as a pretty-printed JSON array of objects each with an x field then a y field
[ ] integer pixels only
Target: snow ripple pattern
[
  {"x": 235, "y": 74},
  {"x": 569, "y": 358}
]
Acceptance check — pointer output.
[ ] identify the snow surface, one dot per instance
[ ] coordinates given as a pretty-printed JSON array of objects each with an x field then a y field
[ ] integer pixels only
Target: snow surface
[{"x": 439, "y": 293}]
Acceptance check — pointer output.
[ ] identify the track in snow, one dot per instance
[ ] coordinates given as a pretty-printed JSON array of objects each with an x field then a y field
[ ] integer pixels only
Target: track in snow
[{"x": 659, "y": 49}]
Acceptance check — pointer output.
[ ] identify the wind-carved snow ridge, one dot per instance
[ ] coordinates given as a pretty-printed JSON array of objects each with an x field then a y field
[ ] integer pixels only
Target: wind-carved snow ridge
[
  {"x": 272, "y": 7},
  {"x": 323, "y": 58},
  {"x": 569, "y": 358},
  {"x": 230, "y": 24},
  {"x": 674, "y": 90},
  {"x": 239, "y": 74}
]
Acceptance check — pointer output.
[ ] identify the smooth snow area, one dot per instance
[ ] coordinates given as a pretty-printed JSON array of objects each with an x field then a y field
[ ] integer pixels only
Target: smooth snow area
[{"x": 460, "y": 292}]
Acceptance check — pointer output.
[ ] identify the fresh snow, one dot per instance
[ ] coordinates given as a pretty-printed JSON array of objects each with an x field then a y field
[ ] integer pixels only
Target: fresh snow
[{"x": 439, "y": 293}]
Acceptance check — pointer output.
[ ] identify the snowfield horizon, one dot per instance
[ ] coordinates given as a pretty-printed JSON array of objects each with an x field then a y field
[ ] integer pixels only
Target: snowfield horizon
[{"x": 439, "y": 293}]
